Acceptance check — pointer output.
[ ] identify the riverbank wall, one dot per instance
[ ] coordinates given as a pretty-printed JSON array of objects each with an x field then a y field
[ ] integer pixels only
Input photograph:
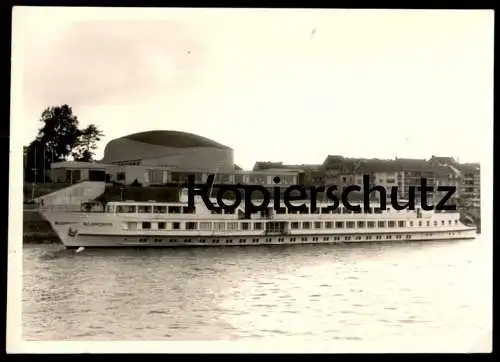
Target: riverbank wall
[{"x": 36, "y": 229}]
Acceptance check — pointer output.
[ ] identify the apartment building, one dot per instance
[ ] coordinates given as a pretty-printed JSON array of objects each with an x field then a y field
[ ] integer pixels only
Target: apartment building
[
  {"x": 401, "y": 173},
  {"x": 307, "y": 174},
  {"x": 340, "y": 171},
  {"x": 466, "y": 177},
  {"x": 470, "y": 184}
]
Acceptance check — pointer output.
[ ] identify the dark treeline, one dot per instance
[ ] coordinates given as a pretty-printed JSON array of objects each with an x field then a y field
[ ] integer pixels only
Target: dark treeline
[{"x": 59, "y": 138}]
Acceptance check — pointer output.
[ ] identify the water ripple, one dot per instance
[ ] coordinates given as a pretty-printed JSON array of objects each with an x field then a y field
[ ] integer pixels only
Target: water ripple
[{"x": 351, "y": 293}]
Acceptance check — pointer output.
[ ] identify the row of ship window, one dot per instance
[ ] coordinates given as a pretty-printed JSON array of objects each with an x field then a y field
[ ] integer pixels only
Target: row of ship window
[
  {"x": 293, "y": 239},
  {"x": 247, "y": 226},
  {"x": 147, "y": 209},
  {"x": 281, "y": 240}
]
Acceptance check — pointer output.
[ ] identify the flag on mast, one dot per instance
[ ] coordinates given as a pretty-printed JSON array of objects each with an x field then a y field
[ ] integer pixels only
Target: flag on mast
[
  {"x": 35, "y": 168},
  {"x": 43, "y": 163},
  {"x": 51, "y": 168},
  {"x": 34, "y": 178}
]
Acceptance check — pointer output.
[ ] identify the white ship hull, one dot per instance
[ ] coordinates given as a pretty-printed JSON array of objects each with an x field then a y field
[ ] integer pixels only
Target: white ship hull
[
  {"x": 74, "y": 236},
  {"x": 132, "y": 224}
]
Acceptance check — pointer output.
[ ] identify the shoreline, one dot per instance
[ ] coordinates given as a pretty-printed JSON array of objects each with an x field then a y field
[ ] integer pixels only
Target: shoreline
[{"x": 37, "y": 230}]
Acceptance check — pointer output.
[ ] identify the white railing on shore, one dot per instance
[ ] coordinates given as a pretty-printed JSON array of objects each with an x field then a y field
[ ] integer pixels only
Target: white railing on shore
[{"x": 60, "y": 208}]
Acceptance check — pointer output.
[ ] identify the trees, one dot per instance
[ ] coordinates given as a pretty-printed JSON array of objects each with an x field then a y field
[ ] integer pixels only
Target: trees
[
  {"x": 34, "y": 161},
  {"x": 60, "y": 131},
  {"x": 87, "y": 143},
  {"x": 59, "y": 138}
]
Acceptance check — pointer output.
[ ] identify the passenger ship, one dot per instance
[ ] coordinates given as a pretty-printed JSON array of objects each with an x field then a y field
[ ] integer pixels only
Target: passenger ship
[{"x": 155, "y": 224}]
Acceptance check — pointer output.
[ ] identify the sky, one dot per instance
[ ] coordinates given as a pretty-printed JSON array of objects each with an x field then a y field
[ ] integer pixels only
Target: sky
[{"x": 274, "y": 85}]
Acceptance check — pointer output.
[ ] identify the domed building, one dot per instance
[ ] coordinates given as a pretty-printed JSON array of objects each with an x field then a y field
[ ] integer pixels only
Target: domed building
[
  {"x": 164, "y": 157},
  {"x": 172, "y": 149}
]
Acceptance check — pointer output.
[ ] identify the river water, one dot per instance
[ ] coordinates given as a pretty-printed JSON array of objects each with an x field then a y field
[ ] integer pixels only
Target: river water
[{"x": 396, "y": 296}]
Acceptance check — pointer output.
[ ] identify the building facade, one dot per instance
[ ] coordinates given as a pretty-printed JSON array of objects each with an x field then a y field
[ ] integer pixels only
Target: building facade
[
  {"x": 470, "y": 185},
  {"x": 400, "y": 173},
  {"x": 72, "y": 172},
  {"x": 466, "y": 177},
  {"x": 167, "y": 157}
]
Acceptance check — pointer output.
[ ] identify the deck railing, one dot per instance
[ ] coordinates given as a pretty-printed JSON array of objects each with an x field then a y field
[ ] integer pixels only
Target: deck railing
[{"x": 66, "y": 208}]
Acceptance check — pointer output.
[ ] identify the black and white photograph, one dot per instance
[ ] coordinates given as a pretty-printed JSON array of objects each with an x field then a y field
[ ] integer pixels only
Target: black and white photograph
[{"x": 250, "y": 180}]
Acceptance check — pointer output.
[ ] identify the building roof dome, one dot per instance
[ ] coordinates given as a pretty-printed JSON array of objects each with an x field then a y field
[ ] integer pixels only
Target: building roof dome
[{"x": 174, "y": 139}]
